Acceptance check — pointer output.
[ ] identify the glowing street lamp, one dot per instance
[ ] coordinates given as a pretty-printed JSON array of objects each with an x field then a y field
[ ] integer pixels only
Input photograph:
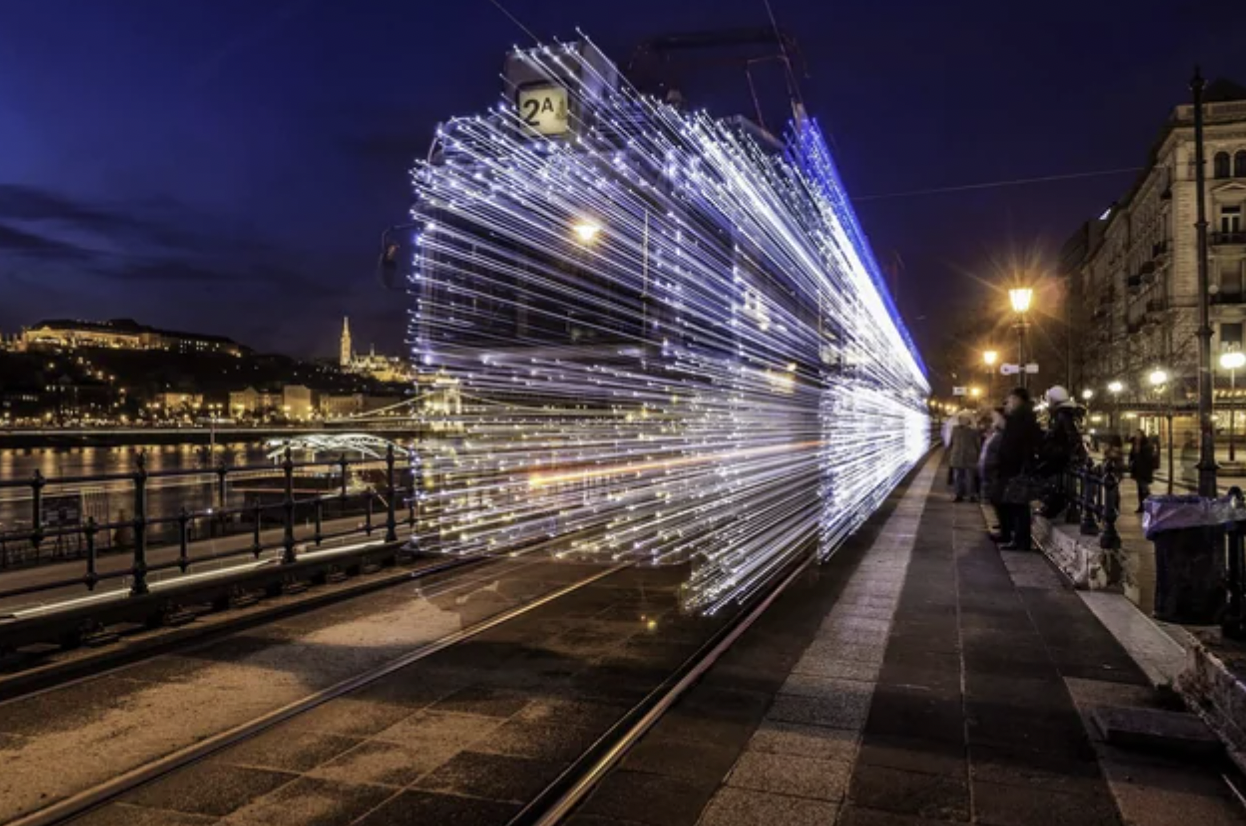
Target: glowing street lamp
[
  {"x": 1158, "y": 378},
  {"x": 1232, "y": 362},
  {"x": 989, "y": 357},
  {"x": 1088, "y": 394},
  {"x": 1020, "y": 298}
]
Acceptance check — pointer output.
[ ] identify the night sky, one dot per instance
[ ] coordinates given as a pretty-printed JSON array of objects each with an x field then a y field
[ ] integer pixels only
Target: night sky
[{"x": 227, "y": 165}]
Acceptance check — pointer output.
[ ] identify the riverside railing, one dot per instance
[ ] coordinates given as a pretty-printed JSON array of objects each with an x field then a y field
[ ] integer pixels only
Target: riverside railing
[
  {"x": 1093, "y": 499},
  {"x": 254, "y": 510}
]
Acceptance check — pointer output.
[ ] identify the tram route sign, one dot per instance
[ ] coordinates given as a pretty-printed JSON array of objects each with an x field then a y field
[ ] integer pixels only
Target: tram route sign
[{"x": 61, "y": 511}]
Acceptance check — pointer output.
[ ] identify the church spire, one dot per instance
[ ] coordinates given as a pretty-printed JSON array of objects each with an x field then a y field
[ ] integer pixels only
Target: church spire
[{"x": 346, "y": 356}]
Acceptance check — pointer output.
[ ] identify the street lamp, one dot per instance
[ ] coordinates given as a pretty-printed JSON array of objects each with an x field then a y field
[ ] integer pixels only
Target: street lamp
[
  {"x": 1020, "y": 299},
  {"x": 990, "y": 357},
  {"x": 1159, "y": 378},
  {"x": 1232, "y": 362},
  {"x": 1115, "y": 388}
]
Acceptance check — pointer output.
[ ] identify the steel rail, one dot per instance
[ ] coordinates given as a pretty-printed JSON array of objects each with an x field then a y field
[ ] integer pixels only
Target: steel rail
[{"x": 76, "y": 805}]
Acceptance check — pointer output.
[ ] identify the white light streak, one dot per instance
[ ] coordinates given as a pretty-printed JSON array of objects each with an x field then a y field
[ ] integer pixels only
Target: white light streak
[{"x": 707, "y": 371}]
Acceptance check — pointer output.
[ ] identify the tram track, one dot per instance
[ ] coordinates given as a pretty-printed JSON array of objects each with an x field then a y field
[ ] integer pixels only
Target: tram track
[
  {"x": 73, "y": 806},
  {"x": 555, "y": 800}
]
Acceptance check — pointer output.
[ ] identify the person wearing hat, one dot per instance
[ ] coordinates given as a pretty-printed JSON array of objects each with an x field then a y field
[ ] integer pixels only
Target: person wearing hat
[{"x": 1062, "y": 447}]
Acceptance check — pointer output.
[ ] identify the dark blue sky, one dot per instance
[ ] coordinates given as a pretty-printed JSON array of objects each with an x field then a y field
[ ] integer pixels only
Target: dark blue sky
[{"x": 227, "y": 165}]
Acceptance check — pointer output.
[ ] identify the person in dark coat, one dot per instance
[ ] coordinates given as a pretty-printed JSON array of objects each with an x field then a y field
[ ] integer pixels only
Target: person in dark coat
[
  {"x": 1018, "y": 457},
  {"x": 963, "y": 457},
  {"x": 988, "y": 468},
  {"x": 1062, "y": 448},
  {"x": 1142, "y": 463}
]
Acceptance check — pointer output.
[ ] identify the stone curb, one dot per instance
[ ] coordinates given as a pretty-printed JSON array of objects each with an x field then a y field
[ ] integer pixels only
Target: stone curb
[{"x": 1207, "y": 685}]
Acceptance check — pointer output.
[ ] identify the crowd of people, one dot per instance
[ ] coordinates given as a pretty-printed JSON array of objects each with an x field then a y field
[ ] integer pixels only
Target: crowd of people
[{"x": 1004, "y": 457}]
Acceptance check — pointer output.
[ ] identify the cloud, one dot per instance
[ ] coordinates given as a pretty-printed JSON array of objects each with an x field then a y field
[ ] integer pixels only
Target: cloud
[
  {"x": 153, "y": 242},
  {"x": 19, "y": 242}
]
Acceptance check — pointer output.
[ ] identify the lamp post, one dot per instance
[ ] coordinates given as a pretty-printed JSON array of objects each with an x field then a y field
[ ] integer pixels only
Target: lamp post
[
  {"x": 1207, "y": 444},
  {"x": 1232, "y": 362},
  {"x": 1020, "y": 298},
  {"x": 1115, "y": 388},
  {"x": 990, "y": 357},
  {"x": 1159, "y": 380}
]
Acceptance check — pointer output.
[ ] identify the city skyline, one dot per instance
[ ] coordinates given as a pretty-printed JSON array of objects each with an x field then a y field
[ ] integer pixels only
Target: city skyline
[{"x": 248, "y": 160}]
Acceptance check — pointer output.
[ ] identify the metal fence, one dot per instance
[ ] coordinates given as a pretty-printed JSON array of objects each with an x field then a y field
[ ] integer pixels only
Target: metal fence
[
  {"x": 255, "y": 508},
  {"x": 1092, "y": 493}
]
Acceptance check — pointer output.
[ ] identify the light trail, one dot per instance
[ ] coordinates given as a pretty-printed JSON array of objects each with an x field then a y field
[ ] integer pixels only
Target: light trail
[{"x": 656, "y": 339}]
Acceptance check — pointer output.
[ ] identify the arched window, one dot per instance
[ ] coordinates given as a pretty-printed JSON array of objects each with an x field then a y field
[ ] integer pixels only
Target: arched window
[
  {"x": 1239, "y": 164},
  {"x": 1222, "y": 165}
]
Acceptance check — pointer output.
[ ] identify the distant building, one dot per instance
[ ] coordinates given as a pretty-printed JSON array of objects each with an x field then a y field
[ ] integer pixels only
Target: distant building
[
  {"x": 338, "y": 406},
  {"x": 174, "y": 401},
  {"x": 380, "y": 368},
  {"x": 121, "y": 334},
  {"x": 1133, "y": 272},
  {"x": 297, "y": 402},
  {"x": 293, "y": 401}
]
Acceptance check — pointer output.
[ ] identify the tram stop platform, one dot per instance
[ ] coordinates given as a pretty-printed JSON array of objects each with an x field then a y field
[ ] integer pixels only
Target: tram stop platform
[{"x": 924, "y": 676}]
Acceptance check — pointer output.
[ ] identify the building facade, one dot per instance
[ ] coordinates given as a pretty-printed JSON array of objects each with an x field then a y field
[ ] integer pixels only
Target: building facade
[
  {"x": 390, "y": 369},
  {"x": 1133, "y": 272},
  {"x": 120, "y": 334}
]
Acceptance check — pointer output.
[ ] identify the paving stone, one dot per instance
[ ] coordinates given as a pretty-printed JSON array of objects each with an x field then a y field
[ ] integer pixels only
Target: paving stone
[
  {"x": 484, "y": 701},
  {"x": 914, "y": 755},
  {"x": 350, "y": 717},
  {"x": 852, "y": 814},
  {"x": 122, "y": 814},
  {"x": 845, "y": 712},
  {"x": 491, "y": 776},
  {"x": 442, "y": 732},
  {"x": 413, "y": 807},
  {"x": 702, "y": 763},
  {"x": 1146, "y": 728},
  {"x": 818, "y": 742},
  {"x": 837, "y": 669},
  {"x": 787, "y": 774},
  {"x": 1151, "y": 794},
  {"x": 736, "y": 807},
  {"x": 934, "y": 796},
  {"x": 208, "y": 788},
  {"x": 1016, "y": 765},
  {"x": 312, "y": 802},
  {"x": 998, "y": 805},
  {"x": 289, "y": 750},
  {"x": 376, "y": 761},
  {"x": 573, "y": 712},
  {"x": 543, "y": 741},
  {"x": 648, "y": 798},
  {"x": 410, "y": 688}
]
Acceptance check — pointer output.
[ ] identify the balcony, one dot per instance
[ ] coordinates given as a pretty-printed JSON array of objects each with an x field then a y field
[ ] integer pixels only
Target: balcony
[{"x": 1222, "y": 238}]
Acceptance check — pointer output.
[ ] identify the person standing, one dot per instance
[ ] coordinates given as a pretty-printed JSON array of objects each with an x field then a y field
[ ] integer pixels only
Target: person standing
[
  {"x": 966, "y": 445},
  {"x": 1062, "y": 448},
  {"x": 1142, "y": 462},
  {"x": 988, "y": 471},
  {"x": 1018, "y": 456}
]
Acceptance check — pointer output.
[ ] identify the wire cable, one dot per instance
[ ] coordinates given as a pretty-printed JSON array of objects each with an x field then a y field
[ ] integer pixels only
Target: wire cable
[{"x": 996, "y": 184}]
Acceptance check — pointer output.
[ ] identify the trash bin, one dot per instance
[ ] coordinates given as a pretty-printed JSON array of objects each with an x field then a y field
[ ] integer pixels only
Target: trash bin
[{"x": 1188, "y": 534}]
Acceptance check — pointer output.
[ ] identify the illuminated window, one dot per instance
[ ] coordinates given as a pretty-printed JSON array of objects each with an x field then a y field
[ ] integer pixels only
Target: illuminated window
[{"x": 1222, "y": 165}]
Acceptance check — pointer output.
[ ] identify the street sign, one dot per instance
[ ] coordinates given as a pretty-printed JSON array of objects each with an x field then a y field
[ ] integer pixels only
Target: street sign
[
  {"x": 1009, "y": 369},
  {"x": 959, "y": 391},
  {"x": 544, "y": 109},
  {"x": 1032, "y": 369},
  {"x": 63, "y": 511}
]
